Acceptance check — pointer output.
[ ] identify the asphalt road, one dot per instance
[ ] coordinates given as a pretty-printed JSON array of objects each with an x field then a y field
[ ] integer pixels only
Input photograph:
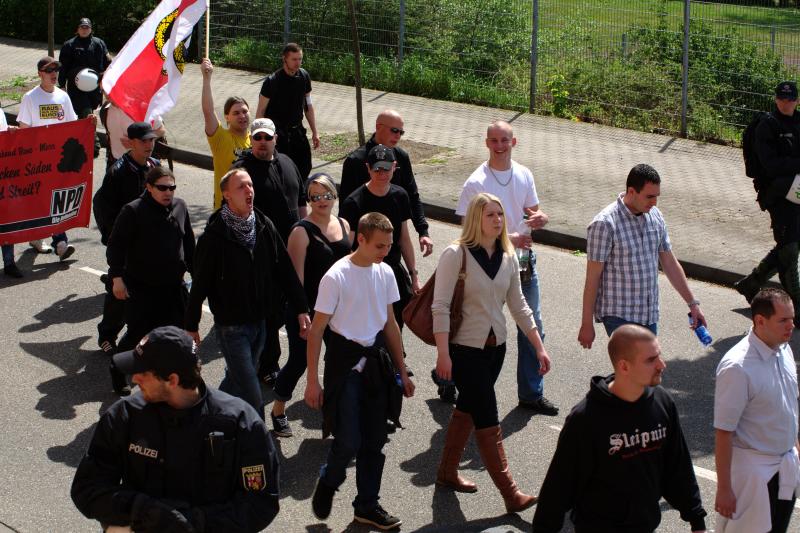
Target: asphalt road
[{"x": 55, "y": 384}]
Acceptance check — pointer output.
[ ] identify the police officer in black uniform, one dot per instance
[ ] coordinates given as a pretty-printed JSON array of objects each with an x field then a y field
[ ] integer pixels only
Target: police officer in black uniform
[
  {"x": 285, "y": 96},
  {"x": 83, "y": 51},
  {"x": 124, "y": 182},
  {"x": 177, "y": 455},
  {"x": 777, "y": 145}
]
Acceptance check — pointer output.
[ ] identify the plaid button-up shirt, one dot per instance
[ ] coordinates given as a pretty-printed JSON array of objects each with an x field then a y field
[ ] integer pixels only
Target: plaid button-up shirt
[{"x": 628, "y": 245}]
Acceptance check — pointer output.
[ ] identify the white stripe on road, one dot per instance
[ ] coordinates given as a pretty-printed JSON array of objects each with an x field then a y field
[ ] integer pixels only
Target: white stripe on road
[
  {"x": 699, "y": 471},
  {"x": 206, "y": 309}
]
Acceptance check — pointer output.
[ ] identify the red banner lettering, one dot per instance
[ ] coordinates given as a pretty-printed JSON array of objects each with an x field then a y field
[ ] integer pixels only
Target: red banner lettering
[{"x": 45, "y": 180}]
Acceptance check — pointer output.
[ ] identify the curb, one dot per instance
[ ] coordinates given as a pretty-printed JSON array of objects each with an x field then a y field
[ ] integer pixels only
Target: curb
[{"x": 448, "y": 215}]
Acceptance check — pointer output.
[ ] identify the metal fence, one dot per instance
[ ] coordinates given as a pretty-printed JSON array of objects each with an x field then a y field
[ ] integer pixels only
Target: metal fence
[{"x": 692, "y": 68}]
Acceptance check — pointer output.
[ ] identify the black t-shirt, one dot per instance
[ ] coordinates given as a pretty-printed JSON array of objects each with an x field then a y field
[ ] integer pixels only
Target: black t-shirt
[
  {"x": 286, "y": 98},
  {"x": 394, "y": 205}
]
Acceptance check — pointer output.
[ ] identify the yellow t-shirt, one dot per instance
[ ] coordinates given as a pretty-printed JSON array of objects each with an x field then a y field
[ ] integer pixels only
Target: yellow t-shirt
[{"x": 225, "y": 148}]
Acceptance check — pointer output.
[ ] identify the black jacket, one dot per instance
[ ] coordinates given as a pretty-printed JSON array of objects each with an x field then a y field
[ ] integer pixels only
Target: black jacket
[
  {"x": 123, "y": 183},
  {"x": 151, "y": 244},
  {"x": 341, "y": 355},
  {"x": 613, "y": 463},
  {"x": 151, "y": 448},
  {"x": 278, "y": 189},
  {"x": 355, "y": 174},
  {"x": 777, "y": 143},
  {"x": 240, "y": 284},
  {"x": 76, "y": 54}
]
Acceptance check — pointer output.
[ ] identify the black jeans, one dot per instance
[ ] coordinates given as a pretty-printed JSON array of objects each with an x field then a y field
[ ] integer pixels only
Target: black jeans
[
  {"x": 113, "y": 315},
  {"x": 149, "y": 307},
  {"x": 294, "y": 143},
  {"x": 779, "y": 510},
  {"x": 475, "y": 372}
]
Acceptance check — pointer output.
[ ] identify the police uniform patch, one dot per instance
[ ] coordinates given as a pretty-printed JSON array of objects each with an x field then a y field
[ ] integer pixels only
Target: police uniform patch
[{"x": 254, "y": 477}]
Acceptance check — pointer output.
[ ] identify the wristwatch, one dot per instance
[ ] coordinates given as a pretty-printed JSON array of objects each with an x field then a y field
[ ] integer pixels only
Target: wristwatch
[{"x": 693, "y": 302}]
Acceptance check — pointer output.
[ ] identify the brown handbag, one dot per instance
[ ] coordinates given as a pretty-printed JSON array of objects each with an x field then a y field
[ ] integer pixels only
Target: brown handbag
[{"x": 417, "y": 314}]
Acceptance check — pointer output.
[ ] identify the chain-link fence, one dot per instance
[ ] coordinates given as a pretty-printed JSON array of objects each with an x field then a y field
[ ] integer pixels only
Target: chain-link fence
[{"x": 628, "y": 63}]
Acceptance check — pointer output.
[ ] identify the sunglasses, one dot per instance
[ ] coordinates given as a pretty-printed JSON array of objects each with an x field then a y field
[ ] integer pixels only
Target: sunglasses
[
  {"x": 49, "y": 70},
  {"x": 165, "y": 188},
  {"x": 262, "y": 137},
  {"x": 327, "y": 196}
]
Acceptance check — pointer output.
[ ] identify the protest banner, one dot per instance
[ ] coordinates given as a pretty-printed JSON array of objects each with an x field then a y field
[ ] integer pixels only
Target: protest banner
[{"x": 45, "y": 180}]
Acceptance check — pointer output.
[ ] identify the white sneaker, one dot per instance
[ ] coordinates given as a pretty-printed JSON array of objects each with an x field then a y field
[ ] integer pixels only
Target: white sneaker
[
  {"x": 40, "y": 246},
  {"x": 64, "y": 250}
]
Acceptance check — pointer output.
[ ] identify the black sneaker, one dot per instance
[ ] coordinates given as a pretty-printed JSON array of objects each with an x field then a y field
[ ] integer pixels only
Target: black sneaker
[
  {"x": 281, "y": 425},
  {"x": 118, "y": 381},
  {"x": 379, "y": 518},
  {"x": 269, "y": 379},
  {"x": 542, "y": 406},
  {"x": 448, "y": 393},
  {"x": 107, "y": 346},
  {"x": 12, "y": 271},
  {"x": 322, "y": 500}
]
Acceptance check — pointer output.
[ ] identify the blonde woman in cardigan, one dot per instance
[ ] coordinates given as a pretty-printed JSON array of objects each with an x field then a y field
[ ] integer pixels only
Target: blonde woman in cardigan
[{"x": 474, "y": 356}]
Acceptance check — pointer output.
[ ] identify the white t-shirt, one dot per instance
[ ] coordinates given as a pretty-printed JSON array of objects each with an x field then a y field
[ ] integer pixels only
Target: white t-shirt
[
  {"x": 519, "y": 193},
  {"x": 40, "y": 108},
  {"x": 3, "y": 123},
  {"x": 357, "y": 298}
]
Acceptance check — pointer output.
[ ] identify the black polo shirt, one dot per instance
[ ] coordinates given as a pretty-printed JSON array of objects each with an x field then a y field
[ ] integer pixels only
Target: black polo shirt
[{"x": 286, "y": 98}]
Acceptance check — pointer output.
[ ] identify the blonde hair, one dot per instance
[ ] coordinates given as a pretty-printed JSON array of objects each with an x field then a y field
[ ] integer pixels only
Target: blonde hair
[
  {"x": 323, "y": 180},
  {"x": 471, "y": 230}
]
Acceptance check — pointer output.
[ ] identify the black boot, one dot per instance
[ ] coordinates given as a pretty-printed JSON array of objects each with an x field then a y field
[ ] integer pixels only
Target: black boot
[
  {"x": 118, "y": 381},
  {"x": 750, "y": 285},
  {"x": 789, "y": 275}
]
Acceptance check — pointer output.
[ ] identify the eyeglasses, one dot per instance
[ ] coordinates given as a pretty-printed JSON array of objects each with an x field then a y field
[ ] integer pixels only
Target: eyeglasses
[
  {"x": 165, "y": 188},
  {"x": 264, "y": 137},
  {"x": 49, "y": 70},
  {"x": 327, "y": 196},
  {"x": 396, "y": 130}
]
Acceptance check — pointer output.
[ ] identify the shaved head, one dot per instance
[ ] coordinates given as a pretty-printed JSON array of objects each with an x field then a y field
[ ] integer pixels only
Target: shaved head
[
  {"x": 624, "y": 342},
  {"x": 501, "y": 125},
  {"x": 388, "y": 128}
]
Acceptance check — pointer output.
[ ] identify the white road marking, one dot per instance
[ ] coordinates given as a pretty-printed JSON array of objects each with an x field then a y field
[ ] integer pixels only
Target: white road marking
[{"x": 206, "y": 309}]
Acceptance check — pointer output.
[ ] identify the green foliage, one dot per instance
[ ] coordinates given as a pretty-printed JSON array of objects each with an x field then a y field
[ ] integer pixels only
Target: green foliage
[{"x": 114, "y": 22}]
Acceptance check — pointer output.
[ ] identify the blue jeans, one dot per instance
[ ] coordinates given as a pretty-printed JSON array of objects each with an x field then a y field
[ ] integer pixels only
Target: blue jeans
[
  {"x": 360, "y": 433},
  {"x": 613, "y": 322},
  {"x": 8, "y": 254},
  {"x": 241, "y": 346},
  {"x": 530, "y": 384},
  {"x": 57, "y": 238}
]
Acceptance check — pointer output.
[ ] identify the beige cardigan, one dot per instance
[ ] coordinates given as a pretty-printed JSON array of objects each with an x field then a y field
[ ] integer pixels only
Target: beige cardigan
[{"x": 483, "y": 299}]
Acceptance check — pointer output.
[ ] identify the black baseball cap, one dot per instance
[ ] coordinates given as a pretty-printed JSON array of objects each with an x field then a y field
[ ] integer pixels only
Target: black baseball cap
[
  {"x": 142, "y": 131},
  {"x": 85, "y": 22},
  {"x": 164, "y": 350},
  {"x": 380, "y": 157},
  {"x": 46, "y": 61},
  {"x": 786, "y": 90}
]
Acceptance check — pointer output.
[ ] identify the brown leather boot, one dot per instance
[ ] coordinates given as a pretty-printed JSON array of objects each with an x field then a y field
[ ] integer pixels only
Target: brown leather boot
[
  {"x": 490, "y": 444},
  {"x": 457, "y": 434}
]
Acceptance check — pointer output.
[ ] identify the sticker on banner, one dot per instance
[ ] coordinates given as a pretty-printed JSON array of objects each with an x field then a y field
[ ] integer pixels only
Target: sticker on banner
[{"x": 65, "y": 203}]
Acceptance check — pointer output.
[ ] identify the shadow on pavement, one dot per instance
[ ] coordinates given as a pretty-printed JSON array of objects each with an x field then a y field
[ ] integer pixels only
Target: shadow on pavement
[
  {"x": 34, "y": 272},
  {"x": 456, "y": 522},
  {"x": 299, "y": 473},
  {"x": 68, "y": 310}
]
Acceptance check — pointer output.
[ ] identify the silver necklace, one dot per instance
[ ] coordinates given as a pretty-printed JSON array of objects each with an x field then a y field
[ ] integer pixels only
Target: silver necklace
[{"x": 510, "y": 177}]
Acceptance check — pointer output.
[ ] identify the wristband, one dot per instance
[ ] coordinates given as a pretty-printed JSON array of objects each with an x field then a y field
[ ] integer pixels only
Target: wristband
[{"x": 693, "y": 302}]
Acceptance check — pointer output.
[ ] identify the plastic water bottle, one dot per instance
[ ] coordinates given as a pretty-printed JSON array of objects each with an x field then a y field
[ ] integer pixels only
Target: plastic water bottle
[
  {"x": 702, "y": 333},
  {"x": 398, "y": 380}
]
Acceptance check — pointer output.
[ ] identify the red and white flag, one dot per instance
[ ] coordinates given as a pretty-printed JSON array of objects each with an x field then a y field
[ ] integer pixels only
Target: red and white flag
[{"x": 144, "y": 78}]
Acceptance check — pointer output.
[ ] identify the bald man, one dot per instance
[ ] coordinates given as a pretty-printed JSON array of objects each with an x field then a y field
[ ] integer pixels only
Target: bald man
[
  {"x": 513, "y": 183},
  {"x": 355, "y": 172},
  {"x": 621, "y": 450}
]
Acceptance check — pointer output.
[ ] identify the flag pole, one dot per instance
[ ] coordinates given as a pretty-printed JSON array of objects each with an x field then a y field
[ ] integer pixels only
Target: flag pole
[{"x": 208, "y": 24}]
